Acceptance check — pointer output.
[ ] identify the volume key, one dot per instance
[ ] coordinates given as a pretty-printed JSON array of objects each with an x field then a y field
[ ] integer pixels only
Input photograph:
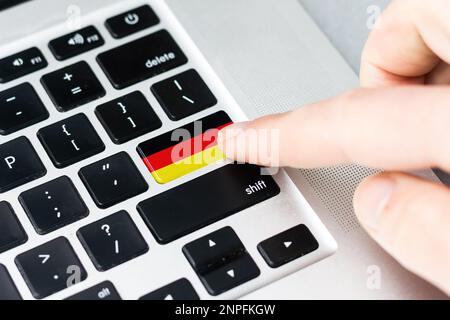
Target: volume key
[{"x": 21, "y": 64}]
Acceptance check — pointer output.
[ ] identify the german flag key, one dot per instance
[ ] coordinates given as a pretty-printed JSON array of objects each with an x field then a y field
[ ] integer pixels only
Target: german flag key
[{"x": 184, "y": 150}]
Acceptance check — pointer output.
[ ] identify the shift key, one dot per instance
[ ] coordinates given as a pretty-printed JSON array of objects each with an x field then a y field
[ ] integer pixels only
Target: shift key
[{"x": 205, "y": 200}]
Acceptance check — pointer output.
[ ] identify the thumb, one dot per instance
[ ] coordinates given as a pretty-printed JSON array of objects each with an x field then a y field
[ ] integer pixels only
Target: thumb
[{"x": 410, "y": 219}]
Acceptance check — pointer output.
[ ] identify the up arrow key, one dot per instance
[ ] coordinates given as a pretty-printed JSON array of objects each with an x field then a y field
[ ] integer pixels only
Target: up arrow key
[
  {"x": 287, "y": 244},
  {"x": 212, "y": 244},
  {"x": 168, "y": 297}
]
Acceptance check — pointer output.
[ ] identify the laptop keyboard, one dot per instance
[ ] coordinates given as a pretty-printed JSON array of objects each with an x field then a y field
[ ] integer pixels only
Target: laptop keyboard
[{"x": 220, "y": 260}]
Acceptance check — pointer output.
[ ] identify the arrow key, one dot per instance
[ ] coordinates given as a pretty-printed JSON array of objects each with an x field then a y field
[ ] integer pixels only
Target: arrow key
[
  {"x": 230, "y": 275},
  {"x": 178, "y": 290},
  {"x": 213, "y": 249},
  {"x": 288, "y": 246},
  {"x": 221, "y": 261}
]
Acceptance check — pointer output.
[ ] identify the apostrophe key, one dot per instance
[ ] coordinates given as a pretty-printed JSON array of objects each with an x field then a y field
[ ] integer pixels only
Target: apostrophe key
[{"x": 113, "y": 180}]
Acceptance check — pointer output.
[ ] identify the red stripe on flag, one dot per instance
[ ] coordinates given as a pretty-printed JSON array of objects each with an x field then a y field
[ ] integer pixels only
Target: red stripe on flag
[{"x": 194, "y": 145}]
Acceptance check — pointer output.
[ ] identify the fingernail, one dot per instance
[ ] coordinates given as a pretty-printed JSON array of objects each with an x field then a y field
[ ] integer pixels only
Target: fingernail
[{"x": 372, "y": 199}]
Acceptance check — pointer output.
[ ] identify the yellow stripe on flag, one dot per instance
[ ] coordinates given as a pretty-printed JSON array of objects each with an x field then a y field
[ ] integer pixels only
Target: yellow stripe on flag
[{"x": 188, "y": 165}]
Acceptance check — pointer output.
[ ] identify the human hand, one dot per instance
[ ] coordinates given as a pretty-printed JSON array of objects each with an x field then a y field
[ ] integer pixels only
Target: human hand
[{"x": 398, "y": 121}]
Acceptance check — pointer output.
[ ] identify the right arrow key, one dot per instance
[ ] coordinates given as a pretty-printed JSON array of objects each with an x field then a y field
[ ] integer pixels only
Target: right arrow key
[{"x": 288, "y": 246}]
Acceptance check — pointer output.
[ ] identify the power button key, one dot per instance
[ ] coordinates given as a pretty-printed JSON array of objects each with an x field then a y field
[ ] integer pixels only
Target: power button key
[{"x": 131, "y": 21}]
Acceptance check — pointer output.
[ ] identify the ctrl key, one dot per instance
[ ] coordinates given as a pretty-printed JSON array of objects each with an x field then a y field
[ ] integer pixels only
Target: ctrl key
[{"x": 19, "y": 164}]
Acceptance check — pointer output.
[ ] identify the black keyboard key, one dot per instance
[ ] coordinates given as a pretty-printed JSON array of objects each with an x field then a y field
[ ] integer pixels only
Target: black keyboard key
[
  {"x": 72, "y": 86},
  {"x": 50, "y": 268},
  {"x": 213, "y": 250},
  {"x": 20, "y": 107},
  {"x": 205, "y": 200},
  {"x": 11, "y": 231},
  {"x": 141, "y": 59},
  {"x": 183, "y": 95},
  {"x": 21, "y": 64},
  {"x": 178, "y": 290},
  {"x": 103, "y": 291},
  {"x": 132, "y": 21},
  {"x": 128, "y": 117},
  {"x": 112, "y": 241},
  {"x": 19, "y": 164},
  {"x": 8, "y": 290},
  {"x": 53, "y": 205},
  {"x": 230, "y": 275},
  {"x": 76, "y": 42},
  {"x": 113, "y": 180},
  {"x": 221, "y": 261},
  {"x": 288, "y": 246},
  {"x": 184, "y": 150},
  {"x": 71, "y": 140}
]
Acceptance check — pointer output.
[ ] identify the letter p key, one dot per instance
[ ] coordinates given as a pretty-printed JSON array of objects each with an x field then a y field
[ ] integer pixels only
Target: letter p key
[{"x": 10, "y": 161}]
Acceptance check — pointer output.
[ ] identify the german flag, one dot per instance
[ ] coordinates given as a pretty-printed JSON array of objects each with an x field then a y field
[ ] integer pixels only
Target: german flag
[{"x": 184, "y": 150}]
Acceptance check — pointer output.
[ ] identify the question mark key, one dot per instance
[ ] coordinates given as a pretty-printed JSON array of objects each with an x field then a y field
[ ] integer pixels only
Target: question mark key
[{"x": 112, "y": 241}]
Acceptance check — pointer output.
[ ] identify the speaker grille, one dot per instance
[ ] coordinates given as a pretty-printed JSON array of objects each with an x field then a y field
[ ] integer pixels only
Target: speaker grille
[{"x": 335, "y": 188}]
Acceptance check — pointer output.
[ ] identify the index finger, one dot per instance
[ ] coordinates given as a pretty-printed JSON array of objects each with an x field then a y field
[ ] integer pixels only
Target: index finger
[{"x": 393, "y": 128}]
